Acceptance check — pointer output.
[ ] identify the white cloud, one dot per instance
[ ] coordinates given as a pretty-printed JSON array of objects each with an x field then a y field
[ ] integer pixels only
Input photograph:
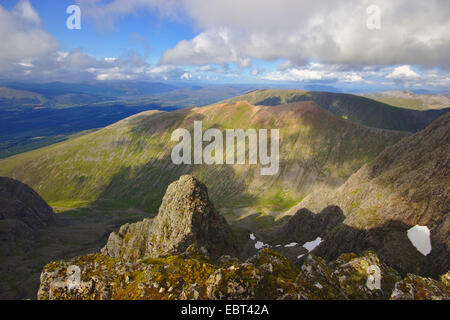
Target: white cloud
[
  {"x": 313, "y": 72},
  {"x": 212, "y": 47},
  {"x": 21, "y": 36},
  {"x": 330, "y": 31},
  {"x": 27, "y": 12},
  {"x": 186, "y": 76},
  {"x": 321, "y": 41},
  {"x": 403, "y": 73}
]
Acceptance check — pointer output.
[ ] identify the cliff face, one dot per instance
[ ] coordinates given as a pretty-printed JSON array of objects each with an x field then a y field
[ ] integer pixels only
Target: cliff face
[
  {"x": 405, "y": 186},
  {"x": 186, "y": 218}
]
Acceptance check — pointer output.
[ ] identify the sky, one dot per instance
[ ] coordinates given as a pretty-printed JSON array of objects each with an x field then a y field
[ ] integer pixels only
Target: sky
[{"x": 368, "y": 45}]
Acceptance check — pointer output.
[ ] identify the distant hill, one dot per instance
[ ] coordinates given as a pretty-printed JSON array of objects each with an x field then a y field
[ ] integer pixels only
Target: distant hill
[
  {"x": 352, "y": 107},
  {"x": 411, "y": 100},
  {"x": 64, "y": 95},
  {"x": 128, "y": 164},
  {"x": 36, "y": 115},
  {"x": 32, "y": 128}
]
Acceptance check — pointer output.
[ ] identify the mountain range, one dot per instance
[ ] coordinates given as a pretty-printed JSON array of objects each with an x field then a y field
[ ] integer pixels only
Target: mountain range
[
  {"x": 352, "y": 107},
  {"x": 351, "y": 193},
  {"x": 410, "y": 100},
  {"x": 128, "y": 164}
]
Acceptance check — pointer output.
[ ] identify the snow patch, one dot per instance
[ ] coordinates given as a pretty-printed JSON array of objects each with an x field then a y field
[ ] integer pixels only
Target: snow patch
[
  {"x": 420, "y": 238},
  {"x": 252, "y": 236},
  {"x": 293, "y": 244},
  {"x": 260, "y": 245},
  {"x": 310, "y": 246}
]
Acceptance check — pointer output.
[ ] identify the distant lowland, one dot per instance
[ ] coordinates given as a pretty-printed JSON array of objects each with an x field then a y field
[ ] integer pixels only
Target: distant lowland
[{"x": 36, "y": 115}]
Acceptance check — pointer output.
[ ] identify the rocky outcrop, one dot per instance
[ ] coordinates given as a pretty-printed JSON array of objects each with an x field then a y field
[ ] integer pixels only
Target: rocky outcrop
[
  {"x": 186, "y": 218},
  {"x": 405, "y": 186},
  {"x": 267, "y": 275},
  {"x": 414, "y": 287}
]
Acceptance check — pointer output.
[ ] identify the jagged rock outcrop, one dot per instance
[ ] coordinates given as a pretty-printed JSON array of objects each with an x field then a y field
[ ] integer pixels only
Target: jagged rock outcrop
[
  {"x": 405, "y": 186},
  {"x": 414, "y": 287},
  {"x": 267, "y": 275},
  {"x": 186, "y": 217}
]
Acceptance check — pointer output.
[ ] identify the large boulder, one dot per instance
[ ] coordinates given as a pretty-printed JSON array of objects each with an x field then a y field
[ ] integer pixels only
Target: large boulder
[{"x": 186, "y": 218}]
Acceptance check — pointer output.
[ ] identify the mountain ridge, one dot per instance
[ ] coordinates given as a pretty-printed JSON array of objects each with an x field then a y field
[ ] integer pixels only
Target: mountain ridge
[
  {"x": 405, "y": 186},
  {"x": 318, "y": 150},
  {"x": 356, "y": 108}
]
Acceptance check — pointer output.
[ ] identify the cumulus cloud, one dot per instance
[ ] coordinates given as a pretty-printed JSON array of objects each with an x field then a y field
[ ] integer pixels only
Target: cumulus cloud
[
  {"x": 403, "y": 73},
  {"x": 30, "y": 53},
  {"x": 330, "y": 31},
  {"x": 216, "y": 47},
  {"x": 22, "y": 37},
  {"x": 320, "y": 41},
  {"x": 313, "y": 72}
]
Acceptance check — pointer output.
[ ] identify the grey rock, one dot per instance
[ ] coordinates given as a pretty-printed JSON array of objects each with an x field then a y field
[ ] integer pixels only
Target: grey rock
[{"x": 186, "y": 218}]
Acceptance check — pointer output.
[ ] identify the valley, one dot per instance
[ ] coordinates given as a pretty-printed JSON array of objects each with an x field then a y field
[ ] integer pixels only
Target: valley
[
  {"x": 36, "y": 115},
  {"x": 100, "y": 180}
]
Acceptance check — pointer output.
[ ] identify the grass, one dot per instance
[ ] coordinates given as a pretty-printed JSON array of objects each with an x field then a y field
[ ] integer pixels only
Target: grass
[
  {"x": 373, "y": 111},
  {"x": 414, "y": 104},
  {"x": 127, "y": 165}
]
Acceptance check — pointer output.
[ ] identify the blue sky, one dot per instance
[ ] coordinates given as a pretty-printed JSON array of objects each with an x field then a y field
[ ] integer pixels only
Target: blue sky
[{"x": 275, "y": 42}]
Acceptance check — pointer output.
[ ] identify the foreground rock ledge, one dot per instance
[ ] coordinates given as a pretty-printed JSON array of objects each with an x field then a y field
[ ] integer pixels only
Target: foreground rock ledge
[{"x": 267, "y": 275}]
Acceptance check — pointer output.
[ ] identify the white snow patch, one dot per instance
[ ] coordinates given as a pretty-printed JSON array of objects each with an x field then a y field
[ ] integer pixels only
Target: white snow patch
[
  {"x": 420, "y": 238},
  {"x": 260, "y": 245},
  {"x": 293, "y": 244},
  {"x": 310, "y": 246},
  {"x": 300, "y": 256},
  {"x": 252, "y": 236}
]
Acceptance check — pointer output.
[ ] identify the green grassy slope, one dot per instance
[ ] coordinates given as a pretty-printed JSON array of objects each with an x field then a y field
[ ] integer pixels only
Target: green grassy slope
[
  {"x": 128, "y": 164},
  {"x": 355, "y": 108},
  {"x": 410, "y": 100}
]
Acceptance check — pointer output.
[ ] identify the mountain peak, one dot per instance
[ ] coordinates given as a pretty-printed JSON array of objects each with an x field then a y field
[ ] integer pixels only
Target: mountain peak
[{"x": 186, "y": 218}]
